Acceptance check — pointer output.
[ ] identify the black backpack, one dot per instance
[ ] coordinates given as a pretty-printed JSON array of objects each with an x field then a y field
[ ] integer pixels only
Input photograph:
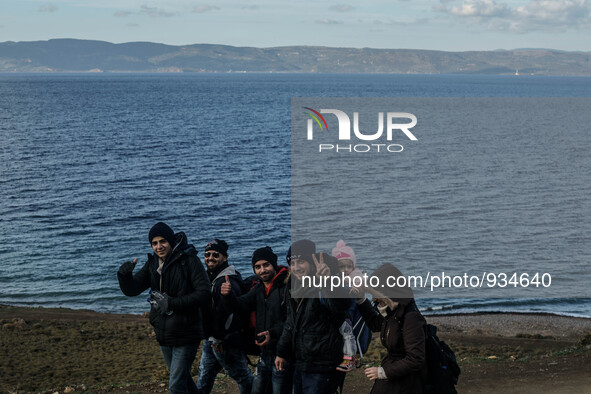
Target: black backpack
[{"x": 442, "y": 368}]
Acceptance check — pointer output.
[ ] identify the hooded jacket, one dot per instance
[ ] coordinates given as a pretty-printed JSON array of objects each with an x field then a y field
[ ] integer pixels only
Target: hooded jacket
[
  {"x": 269, "y": 305},
  {"x": 402, "y": 333},
  {"x": 227, "y": 326},
  {"x": 311, "y": 334},
  {"x": 185, "y": 282}
]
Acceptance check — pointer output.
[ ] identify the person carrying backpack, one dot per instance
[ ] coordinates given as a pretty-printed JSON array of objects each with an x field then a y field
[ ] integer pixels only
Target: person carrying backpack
[{"x": 402, "y": 333}]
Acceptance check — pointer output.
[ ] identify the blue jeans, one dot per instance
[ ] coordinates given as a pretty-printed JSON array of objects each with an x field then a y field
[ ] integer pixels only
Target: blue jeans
[
  {"x": 233, "y": 360},
  {"x": 317, "y": 383},
  {"x": 179, "y": 360},
  {"x": 269, "y": 380}
]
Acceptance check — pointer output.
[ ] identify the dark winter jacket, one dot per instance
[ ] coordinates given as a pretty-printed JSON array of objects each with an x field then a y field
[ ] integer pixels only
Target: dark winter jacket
[
  {"x": 228, "y": 326},
  {"x": 403, "y": 336},
  {"x": 311, "y": 334},
  {"x": 185, "y": 282},
  {"x": 269, "y": 305}
]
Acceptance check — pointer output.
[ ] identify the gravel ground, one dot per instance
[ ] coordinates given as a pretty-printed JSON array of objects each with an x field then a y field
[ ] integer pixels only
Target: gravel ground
[
  {"x": 67, "y": 351},
  {"x": 513, "y": 324}
]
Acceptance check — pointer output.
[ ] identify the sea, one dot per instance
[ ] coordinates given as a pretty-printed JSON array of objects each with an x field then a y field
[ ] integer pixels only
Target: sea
[{"x": 89, "y": 162}]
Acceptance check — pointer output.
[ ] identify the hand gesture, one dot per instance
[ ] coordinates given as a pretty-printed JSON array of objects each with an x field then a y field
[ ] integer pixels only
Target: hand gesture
[
  {"x": 265, "y": 340},
  {"x": 371, "y": 373},
  {"x": 357, "y": 292},
  {"x": 217, "y": 347},
  {"x": 280, "y": 363},
  {"x": 226, "y": 288},
  {"x": 321, "y": 267},
  {"x": 159, "y": 301},
  {"x": 127, "y": 267}
]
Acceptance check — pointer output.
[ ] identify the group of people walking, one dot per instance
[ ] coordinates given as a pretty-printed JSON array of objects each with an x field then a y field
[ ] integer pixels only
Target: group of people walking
[{"x": 304, "y": 337}]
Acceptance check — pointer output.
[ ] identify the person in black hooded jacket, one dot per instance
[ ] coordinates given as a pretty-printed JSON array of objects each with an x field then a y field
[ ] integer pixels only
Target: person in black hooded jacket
[
  {"x": 179, "y": 287},
  {"x": 311, "y": 334}
]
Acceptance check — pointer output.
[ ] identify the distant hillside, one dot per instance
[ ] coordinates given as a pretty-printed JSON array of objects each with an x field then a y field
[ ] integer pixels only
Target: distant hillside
[{"x": 69, "y": 55}]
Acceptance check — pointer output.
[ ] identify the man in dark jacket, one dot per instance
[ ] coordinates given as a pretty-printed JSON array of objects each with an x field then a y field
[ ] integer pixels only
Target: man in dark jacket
[
  {"x": 223, "y": 349},
  {"x": 179, "y": 287},
  {"x": 267, "y": 299},
  {"x": 311, "y": 334}
]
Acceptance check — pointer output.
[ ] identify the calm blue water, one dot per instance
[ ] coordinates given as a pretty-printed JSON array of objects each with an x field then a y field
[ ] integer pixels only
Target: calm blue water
[{"x": 89, "y": 162}]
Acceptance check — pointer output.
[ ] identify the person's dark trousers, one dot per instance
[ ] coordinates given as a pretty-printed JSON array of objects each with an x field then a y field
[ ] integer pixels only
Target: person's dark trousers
[
  {"x": 179, "y": 360},
  {"x": 316, "y": 383},
  {"x": 268, "y": 379},
  {"x": 233, "y": 360}
]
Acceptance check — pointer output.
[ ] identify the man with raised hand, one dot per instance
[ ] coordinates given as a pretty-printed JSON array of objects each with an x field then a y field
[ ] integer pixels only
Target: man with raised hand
[
  {"x": 311, "y": 334},
  {"x": 224, "y": 348},
  {"x": 179, "y": 290},
  {"x": 267, "y": 299}
]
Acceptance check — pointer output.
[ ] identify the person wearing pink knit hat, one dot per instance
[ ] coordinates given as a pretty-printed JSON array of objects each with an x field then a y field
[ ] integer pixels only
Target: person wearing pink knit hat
[{"x": 347, "y": 259}]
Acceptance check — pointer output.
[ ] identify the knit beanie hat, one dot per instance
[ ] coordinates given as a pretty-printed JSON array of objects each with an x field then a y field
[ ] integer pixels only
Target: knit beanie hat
[
  {"x": 219, "y": 245},
  {"x": 303, "y": 249},
  {"x": 267, "y": 254},
  {"x": 161, "y": 229},
  {"x": 342, "y": 252}
]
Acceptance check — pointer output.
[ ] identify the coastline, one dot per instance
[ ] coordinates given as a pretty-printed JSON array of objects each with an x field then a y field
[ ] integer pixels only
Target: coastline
[
  {"x": 513, "y": 324},
  {"x": 577, "y": 324},
  {"x": 64, "y": 350}
]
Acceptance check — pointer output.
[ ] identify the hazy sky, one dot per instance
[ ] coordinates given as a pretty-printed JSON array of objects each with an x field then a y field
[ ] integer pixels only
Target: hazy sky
[{"x": 455, "y": 25}]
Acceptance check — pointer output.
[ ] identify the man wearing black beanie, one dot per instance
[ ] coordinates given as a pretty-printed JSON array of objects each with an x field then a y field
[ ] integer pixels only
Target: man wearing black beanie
[
  {"x": 179, "y": 291},
  {"x": 265, "y": 254},
  {"x": 267, "y": 300},
  {"x": 161, "y": 229},
  {"x": 311, "y": 335},
  {"x": 224, "y": 348}
]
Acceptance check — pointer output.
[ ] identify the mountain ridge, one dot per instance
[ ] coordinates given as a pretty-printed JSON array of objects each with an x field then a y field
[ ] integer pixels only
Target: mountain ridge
[{"x": 74, "y": 55}]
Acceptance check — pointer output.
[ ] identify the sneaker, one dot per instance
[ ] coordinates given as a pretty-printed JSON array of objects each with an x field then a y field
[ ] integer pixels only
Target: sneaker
[{"x": 347, "y": 365}]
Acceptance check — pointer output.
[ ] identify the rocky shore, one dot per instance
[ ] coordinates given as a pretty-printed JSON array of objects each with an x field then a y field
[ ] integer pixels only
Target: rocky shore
[{"x": 72, "y": 351}]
